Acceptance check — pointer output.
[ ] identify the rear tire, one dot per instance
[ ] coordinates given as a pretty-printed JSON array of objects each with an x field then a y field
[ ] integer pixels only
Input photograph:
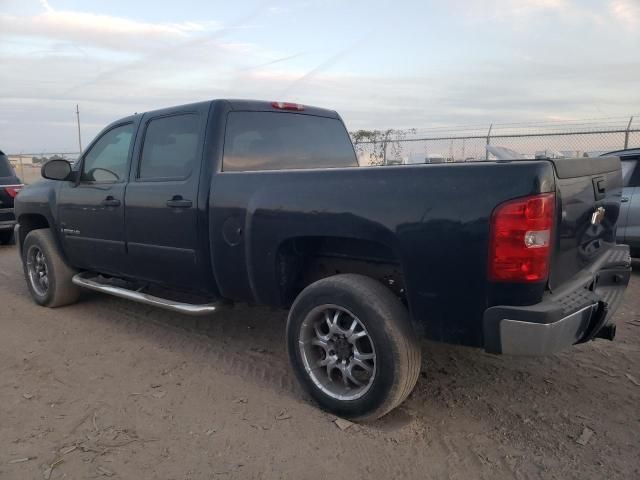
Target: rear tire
[
  {"x": 7, "y": 237},
  {"x": 48, "y": 276},
  {"x": 352, "y": 346}
]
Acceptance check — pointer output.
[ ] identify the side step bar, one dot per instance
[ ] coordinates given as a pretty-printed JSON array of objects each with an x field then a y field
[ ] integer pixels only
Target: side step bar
[{"x": 86, "y": 280}]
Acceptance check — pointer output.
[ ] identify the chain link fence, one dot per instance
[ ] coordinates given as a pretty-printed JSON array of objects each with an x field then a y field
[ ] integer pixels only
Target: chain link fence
[
  {"x": 27, "y": 165},
  {"x": 465, "y": 144},
  {"x": 451, "y": 144}
]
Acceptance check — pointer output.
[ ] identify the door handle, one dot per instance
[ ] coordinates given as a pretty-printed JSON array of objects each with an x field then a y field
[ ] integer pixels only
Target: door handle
[
  {"x": 178, "y": 202},
  {"x": 624, "y": 199},
  {"x": 110, "y": 202}
]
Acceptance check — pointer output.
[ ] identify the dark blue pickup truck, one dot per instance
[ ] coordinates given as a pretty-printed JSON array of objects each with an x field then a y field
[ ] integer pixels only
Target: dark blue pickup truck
[{"x": 193, "y": 207}]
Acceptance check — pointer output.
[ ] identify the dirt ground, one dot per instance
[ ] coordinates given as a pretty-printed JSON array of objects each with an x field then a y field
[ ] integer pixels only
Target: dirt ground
[{"x": 112, "y": 389}]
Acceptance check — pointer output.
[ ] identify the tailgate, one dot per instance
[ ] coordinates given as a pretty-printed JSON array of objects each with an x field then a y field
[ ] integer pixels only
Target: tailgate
[{"x": 588, "y": 193}]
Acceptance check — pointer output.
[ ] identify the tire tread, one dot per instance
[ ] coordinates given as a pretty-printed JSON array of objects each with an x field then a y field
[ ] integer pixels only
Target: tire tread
[{"x": 63, "y": 292}]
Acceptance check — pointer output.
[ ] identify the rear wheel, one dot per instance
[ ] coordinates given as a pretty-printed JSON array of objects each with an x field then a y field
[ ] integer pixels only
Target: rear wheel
[
  {"x": 352, "y": 346},
  {"x": 7, "y": 237},
  {"x": 48, "y": 276}
]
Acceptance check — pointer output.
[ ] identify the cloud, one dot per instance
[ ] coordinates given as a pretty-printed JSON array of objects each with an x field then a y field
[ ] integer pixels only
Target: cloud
[
  {"x": 510, "y": 9},
  {"x": 533, "y": 14},
  {"x": 365, "y": 101},
  {"x": 526, "y": 7},
  {"x": 326, "y": 63},
  {"x": 107, "y": 31},
  {"x": 46, "y": 6},
  {"x": 626, "y": 12},
  {"x": 492, "y": 69}
]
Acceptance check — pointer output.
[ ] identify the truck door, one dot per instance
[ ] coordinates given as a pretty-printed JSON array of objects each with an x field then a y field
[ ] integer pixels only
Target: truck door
[
  {"x": 91, "y": 212},
  {"x": 630, "y": 206},
  {"x": 162, "y": 199}
]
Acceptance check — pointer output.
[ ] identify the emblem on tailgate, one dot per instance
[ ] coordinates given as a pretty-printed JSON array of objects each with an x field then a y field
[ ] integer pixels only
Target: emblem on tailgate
[{"x": 597, "y": 216}]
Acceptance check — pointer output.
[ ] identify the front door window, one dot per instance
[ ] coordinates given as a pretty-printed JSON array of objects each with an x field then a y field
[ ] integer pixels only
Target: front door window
[{"x": 106, "y": 162}]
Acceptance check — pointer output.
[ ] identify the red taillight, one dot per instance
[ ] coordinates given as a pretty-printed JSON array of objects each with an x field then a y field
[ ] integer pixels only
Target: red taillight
[
  {"x": 520, "y": 241},
  {"x": 13, "y": 190},
  {"x": 288, "y": 106}
]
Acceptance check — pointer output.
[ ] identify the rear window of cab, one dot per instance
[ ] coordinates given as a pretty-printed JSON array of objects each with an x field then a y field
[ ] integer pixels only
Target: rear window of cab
[{"x": 281, "y": 141}]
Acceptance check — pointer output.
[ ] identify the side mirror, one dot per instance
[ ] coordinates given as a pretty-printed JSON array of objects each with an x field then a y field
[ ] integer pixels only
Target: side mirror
[{"x": 56, "y": 170}]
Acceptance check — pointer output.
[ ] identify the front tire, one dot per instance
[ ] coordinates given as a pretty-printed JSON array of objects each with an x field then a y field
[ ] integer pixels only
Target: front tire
[
  {"x": 352, "y": 346},
  {"x": 48, "y": 276}
]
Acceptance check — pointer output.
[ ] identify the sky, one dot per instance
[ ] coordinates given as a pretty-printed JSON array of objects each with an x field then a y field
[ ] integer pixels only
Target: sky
[{"x": 380, "y": 64}]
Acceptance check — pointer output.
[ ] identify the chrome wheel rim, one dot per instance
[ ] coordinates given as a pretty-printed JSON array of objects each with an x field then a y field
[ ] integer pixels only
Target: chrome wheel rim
[
  {"x": 338, "y": 354},
  {"x": 38, "y": 270}
]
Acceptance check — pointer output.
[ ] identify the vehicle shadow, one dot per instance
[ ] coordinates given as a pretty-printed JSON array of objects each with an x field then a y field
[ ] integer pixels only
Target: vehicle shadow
[{"x": 454, "y": 380}]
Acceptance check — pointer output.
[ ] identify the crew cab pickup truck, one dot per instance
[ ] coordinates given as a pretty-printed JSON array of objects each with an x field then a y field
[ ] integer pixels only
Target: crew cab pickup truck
[{"x": 194, "y": 207}]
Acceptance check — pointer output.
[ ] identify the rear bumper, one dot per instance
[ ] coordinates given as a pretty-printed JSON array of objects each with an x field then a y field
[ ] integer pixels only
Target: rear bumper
[
  {"x": 7, "y": 226},
  {"x": 574, "y": 315},
  {"x": 7, "y": 219}
]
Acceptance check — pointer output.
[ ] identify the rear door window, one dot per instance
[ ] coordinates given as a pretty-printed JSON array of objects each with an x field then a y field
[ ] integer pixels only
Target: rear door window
[
  {"x": 276, "y": 141},
  {"x": 170, "y": 148}
]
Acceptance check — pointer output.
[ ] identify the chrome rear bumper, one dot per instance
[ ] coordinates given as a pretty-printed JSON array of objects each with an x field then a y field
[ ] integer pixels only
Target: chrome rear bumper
[{"x": 581, "y": 312}]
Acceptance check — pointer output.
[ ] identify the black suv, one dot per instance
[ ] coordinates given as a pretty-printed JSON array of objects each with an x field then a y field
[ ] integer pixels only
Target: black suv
[{"x": 10, "y": 185}]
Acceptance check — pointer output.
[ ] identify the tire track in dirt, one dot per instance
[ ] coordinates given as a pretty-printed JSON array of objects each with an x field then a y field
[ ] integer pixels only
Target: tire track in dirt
[
  {"x": 192, "y": 335},
  {"x": 238, "y": 360}
]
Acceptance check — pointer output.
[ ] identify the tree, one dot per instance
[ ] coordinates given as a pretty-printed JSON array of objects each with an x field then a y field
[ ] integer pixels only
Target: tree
[{"x": 380, "y": 146}]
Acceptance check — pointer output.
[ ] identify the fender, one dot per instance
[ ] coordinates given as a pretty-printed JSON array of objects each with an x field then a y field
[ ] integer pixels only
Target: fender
[{"x": 38, "y": 201}]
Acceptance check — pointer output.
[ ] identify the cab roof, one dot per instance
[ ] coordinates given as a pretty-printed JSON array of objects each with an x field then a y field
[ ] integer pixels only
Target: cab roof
[{"x": 254, "y": 106}]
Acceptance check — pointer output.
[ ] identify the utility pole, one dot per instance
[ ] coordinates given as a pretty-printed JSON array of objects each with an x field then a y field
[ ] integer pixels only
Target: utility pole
[
  {"x": 626, "y": 134},
  {"x": 488, "y": 142},
  {"x": 78, "y": 118}
]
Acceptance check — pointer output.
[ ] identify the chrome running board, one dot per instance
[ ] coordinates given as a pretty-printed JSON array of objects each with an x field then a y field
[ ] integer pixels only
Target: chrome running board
[{"x": 86, "y": 280}]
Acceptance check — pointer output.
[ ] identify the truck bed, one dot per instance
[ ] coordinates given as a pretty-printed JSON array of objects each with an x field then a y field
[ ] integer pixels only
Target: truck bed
[{"x": 427, "y": 224}]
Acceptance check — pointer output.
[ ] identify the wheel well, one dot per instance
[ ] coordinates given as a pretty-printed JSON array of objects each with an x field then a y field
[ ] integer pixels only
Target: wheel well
[
  {"x": 29, "y": 222},
  {"x": 304, "y": 260}
]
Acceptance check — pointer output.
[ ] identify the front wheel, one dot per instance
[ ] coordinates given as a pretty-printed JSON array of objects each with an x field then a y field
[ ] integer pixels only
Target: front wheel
[
  {"x": 48, "y": 276},
  {"x": 352, "y": 346}
]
